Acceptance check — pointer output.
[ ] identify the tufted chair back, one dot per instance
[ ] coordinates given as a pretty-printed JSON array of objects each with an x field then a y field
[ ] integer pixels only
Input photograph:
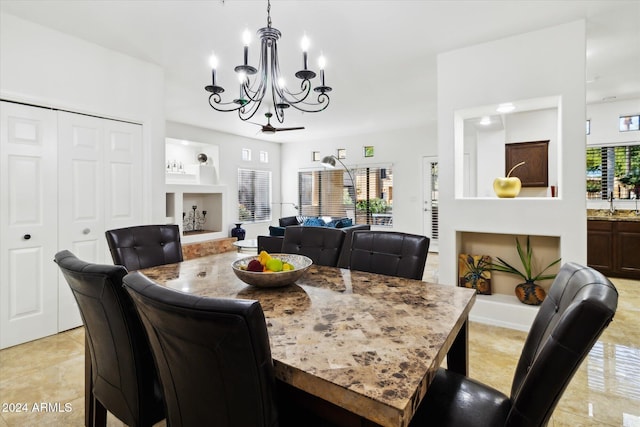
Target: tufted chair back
[
  {"x": 578, "y": 307},
  {"x": 124, "y": 376},
  {"x": 389, "y": 252},
  {"x": 321, "y": 244},
  {"x": 145, "y": 246},
  {"x": 213, "y": 356}
]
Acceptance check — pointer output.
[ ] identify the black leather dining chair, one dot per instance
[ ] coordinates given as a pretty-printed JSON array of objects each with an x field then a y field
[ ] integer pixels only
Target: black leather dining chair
[
  {"x": 389, "y": 252},
  {"x": 213, "y": 357},
  {"x": 123, "y": 378},
  {"x": 321, "y": 244},
  {"x": 145, "y": 245},
  {"x": 579, "y": 306}
]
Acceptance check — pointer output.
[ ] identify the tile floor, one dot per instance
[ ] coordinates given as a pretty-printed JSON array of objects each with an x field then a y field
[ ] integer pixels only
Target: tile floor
[{"x": 604, "y": 392}]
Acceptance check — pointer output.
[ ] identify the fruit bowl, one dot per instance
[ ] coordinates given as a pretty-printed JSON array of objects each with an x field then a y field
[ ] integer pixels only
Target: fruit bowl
[{"x": 272, "y": 279}]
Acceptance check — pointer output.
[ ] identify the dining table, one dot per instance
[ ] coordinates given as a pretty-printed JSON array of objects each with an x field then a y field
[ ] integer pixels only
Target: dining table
[{"x": 357, "y": 347}]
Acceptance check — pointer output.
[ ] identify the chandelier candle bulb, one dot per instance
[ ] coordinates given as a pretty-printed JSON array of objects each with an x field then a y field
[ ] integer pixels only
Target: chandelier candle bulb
[
  {"x": 213, "y": 62},
  {"x": 305, "y": 47},
  {"x": 246, "y": 37},
  {"x": 322, "y": 62}
]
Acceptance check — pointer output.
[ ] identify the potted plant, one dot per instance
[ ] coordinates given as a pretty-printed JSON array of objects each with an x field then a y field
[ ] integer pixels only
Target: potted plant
[{"x": 528, "y": 292}]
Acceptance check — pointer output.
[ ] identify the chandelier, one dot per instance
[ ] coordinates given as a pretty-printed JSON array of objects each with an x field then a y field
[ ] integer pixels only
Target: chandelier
[{"x": 266, "y": 80}]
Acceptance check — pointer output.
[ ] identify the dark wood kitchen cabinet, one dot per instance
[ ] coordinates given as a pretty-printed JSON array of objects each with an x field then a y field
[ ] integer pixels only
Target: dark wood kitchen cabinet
[{"x": 613, "y": 247}]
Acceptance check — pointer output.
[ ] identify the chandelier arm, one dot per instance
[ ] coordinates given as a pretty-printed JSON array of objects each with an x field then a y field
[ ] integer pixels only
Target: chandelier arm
[
  {"x": 258, "y": 92},
  {"x": 218, "y": 101},
  {"x": 246, "y": 114},
  {"x": 298, "y": 97},
  {"x": 323, "y": 103},
  {"x": 305, "y": 85}
]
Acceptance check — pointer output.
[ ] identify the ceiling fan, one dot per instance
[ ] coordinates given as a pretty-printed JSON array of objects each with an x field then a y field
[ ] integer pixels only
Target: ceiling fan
[{"x": 268, "y": 128}]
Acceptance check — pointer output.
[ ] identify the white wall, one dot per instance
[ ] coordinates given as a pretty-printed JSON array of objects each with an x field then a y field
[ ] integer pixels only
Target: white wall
[
  {"x": 46, "y": 67},
  {"x": 605, "y": 131},
  {"x": 403, "y": 149},
  {"x": 544, "y": 63},
  {"x": 230, "y": 151},
  {"x": 605, "y": 122}
]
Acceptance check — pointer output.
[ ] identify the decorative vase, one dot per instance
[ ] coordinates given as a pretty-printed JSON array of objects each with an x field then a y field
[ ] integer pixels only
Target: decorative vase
[
  {"x": 238, "y": 232},
  {"x": 530, "y": 293}
]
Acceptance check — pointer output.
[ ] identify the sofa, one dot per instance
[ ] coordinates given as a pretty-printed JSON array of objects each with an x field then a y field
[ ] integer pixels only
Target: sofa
[{"x": 273, "y": 242}]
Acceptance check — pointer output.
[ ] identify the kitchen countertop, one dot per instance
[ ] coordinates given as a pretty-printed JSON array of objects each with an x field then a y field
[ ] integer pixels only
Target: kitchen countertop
[{"x": 618, "y": 215}]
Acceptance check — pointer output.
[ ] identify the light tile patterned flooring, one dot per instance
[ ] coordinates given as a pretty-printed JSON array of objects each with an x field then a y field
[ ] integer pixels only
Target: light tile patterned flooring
[{"x": 604, "y": 392}]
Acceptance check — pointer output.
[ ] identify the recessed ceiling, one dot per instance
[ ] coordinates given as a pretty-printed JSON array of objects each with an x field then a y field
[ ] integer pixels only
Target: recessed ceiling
[{"x": 381, "y": 54}]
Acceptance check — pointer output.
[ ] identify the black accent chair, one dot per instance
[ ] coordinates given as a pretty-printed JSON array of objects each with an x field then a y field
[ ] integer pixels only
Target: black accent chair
[
  {"x": 145, "y": 246},
  {"x": 213, "y": 357},
  {"x": 389, "y": 252},
  {"x": 321, "y": 244},
  {"x": 123, "y": 378},
  {"x": 579, "y": 306}
]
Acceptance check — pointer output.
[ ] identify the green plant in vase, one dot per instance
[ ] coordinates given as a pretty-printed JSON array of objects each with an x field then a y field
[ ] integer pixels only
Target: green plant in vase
[{"x": 528, "y": 292}]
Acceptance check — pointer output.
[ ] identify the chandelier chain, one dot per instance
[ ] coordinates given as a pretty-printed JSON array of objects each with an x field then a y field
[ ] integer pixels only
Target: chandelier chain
[{"x": 268, "y": 13}]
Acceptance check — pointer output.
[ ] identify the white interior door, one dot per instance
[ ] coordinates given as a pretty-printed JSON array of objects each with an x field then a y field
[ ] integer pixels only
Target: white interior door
[
  {"x": 28, "y": 223},
  {"x": 81, "y": 200},
  {"x": 430, "y": 200},
  {"x": 101, "y": 188},
  {"x": 122, "y": 175}
]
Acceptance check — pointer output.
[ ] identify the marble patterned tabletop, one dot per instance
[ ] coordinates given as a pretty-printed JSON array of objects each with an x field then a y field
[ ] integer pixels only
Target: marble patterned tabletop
[{"x": 366, "y": 342}]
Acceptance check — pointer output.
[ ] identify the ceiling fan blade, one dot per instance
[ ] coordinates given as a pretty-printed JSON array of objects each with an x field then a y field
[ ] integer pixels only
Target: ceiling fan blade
[{"x": 282, "y": 129}]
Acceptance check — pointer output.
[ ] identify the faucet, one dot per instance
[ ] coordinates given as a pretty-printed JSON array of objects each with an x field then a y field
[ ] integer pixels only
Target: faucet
[{"x": 612, "y": 209}]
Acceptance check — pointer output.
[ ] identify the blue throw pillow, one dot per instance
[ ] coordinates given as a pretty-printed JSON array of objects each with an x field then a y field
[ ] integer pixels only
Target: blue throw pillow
[
  {"x": 313, "y": 222},
  {"x": 344, "y": 222},
  {"x": 333, "y": 223},
  {"x": 276, "y": 231}
]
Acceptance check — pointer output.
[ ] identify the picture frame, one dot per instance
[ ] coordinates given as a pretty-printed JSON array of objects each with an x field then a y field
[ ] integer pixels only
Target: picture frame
[
  {"x": 315, "y": 156},
  {"x": 342, "y": 153},
  {"x": 474, "y": 272},
  {"x": 629, "y": 123},
  {"x": 368, "y": 151}
]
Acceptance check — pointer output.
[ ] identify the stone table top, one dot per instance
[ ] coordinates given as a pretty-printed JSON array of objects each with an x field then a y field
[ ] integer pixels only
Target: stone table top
[{"x": 366, "y": 342}]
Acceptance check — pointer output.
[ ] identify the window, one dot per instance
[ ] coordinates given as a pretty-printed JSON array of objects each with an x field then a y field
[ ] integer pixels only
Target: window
[
  {"x": 613, "y": 170},
  {"x": 254, "y": 195},
  {"x": 363, "y": 194}
]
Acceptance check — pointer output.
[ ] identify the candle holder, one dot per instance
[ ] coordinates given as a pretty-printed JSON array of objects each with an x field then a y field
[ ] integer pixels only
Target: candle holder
[{"x": 194, "y": 221}]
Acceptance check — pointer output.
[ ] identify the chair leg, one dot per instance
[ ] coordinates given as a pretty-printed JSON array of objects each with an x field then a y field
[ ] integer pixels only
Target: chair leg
[
  {"x": 99, "y": 414},
  {"x": 95, "y": 414}
]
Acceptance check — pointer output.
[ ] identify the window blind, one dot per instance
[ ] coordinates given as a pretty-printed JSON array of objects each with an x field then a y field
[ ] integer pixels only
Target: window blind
[
  {"x": 613, "y": 170},
  {"x": 254, "y": 195},
  {"x": 363, "y": 194}
]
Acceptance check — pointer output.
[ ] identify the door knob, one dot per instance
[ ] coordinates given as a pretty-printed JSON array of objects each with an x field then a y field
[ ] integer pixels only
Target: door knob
[
  {"x": 26, "y": 236},
  {"x": 86, "y": 231}
]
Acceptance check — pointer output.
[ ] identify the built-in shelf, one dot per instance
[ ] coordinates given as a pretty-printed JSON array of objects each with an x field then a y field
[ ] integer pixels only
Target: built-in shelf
[{"x": 179, "y": 201}]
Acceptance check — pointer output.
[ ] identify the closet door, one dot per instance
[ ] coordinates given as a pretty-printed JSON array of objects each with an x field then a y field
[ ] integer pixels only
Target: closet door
[
  {"x": 100, "y": 188},
  {"x": 28, "y": 224},
  {"x": 122, "y": 175},
  {"x": 81, "y": 200}
]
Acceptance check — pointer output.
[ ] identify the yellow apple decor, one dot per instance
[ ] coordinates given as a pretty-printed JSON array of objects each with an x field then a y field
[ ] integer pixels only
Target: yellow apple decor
[{"x": 508, "y": 187}]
